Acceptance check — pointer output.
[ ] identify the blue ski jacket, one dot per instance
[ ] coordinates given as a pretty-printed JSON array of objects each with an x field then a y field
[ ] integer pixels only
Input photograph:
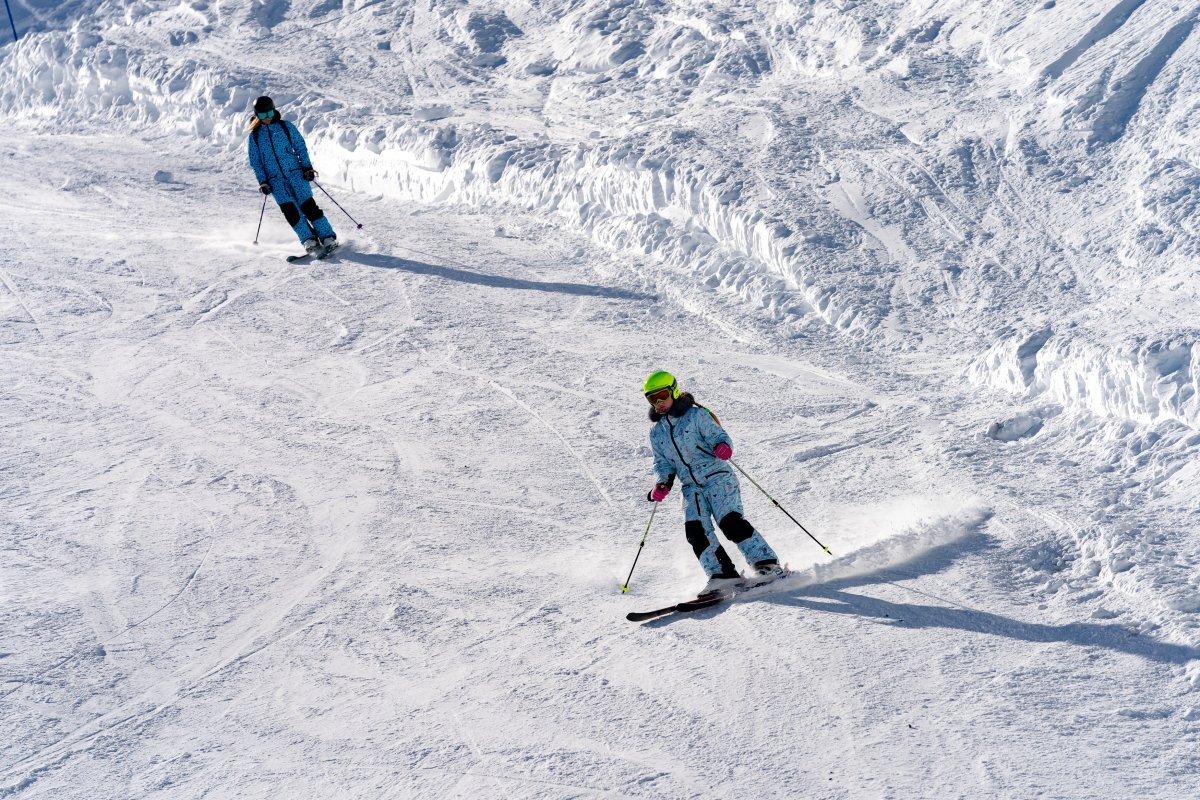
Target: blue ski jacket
[
  {"x": 277, "y": 155},
  {"x": 683, "y": 440}
]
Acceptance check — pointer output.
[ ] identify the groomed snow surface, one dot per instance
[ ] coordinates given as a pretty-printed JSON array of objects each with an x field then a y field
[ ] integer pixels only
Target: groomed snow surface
[{"x": 357, "y": 528}]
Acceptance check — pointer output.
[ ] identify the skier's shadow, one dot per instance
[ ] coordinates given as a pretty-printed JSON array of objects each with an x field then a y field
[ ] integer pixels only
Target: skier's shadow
[
  {"x": 832, "y": 597},
  {"x": 927, "y": 563},
  {"x": 380, "y": 261}
]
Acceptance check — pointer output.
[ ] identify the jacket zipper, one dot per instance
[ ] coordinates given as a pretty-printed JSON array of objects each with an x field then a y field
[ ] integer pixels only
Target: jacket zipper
[
  {"x": 671, "y": 432},
  {"x": 278, "y": 163}
]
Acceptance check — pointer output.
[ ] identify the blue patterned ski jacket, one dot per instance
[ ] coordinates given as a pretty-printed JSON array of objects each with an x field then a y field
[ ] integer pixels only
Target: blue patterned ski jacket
[
  {"x": 277, "y": 155},
  {"x": 683, "y": 440}
]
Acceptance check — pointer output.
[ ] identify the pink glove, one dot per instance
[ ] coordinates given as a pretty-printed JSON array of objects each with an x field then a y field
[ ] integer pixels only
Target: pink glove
[
  {"x": 723, "y": 451},
  {"x": 660, "y": 492}
]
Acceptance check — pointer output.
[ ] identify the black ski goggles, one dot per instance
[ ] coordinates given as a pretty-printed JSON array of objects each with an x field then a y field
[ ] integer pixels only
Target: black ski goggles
[{"x": 265, "y": 115}]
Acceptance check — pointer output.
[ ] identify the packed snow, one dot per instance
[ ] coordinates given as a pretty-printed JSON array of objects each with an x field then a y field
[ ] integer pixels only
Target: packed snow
[{"x": 358, "y": 527}]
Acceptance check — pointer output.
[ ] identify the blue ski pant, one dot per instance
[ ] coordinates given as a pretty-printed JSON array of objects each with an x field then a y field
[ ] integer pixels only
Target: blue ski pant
[
  {"x": 721, "y": 499},
  {"x": 301, "y": 210}
]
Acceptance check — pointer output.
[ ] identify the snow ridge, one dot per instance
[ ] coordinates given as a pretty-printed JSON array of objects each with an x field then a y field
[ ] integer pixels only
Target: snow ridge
[
  {"x": 1147, "y": 382},
  {"x": 624, "y": 196}
]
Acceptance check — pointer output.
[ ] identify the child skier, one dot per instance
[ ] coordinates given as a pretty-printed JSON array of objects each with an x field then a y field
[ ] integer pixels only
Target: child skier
[
  {"x": 280, "y": 161},
  {"x": 689, "y": 443}
]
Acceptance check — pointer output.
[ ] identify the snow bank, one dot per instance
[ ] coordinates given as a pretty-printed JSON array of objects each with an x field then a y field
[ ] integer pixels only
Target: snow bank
[
  {"x": 626, "y": 196},
  {"x": 87, "y": 75},
  {"x": 1148, "y": 382}
]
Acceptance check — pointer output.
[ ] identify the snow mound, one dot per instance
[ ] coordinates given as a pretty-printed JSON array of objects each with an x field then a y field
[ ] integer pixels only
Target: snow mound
[
  {"x": 1018, "y": 427},
  {"x": 1150, "y": 381}
]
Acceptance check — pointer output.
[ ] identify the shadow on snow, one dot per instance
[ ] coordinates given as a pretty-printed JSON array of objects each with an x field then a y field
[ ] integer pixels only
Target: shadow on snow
[
  {"x": 496, "y": 281},
  {"x": 831, "y": 596}
]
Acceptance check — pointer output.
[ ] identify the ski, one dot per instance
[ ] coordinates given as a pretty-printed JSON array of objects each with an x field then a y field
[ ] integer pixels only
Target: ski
[
  {"x": 705, "y": 600},
  {"x": 320, "y": 255}
]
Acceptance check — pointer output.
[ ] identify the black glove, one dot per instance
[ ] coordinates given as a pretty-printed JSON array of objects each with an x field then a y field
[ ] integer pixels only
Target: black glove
[
  {"x": 308, "y": 173},
  {"x": 264, "y": 187}
]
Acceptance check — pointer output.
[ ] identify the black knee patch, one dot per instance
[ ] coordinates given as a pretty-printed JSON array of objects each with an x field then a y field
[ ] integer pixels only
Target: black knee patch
[
  {"x": 311, "y": 210},
  {"x": 736, "y": 528},
  {"x": 290, "y": 213}
]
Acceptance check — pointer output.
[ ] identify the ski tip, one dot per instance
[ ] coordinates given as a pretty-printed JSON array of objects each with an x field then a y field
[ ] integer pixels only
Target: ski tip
[{"x": 642, "y": 616}]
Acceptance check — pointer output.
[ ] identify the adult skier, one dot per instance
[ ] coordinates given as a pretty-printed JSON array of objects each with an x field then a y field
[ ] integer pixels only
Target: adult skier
[
  {"x": 280, "y": 161},
  {"x": 690, "y": 444}
]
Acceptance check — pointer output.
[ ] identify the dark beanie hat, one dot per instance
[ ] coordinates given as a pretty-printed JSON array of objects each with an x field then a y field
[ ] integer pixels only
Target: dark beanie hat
[{"x": 263, "y": 104}]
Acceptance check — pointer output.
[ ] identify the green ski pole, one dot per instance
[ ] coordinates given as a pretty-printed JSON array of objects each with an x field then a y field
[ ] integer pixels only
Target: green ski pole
[
  {"x": 625, "y": 587},
  {"x": 781, "y": 508}
]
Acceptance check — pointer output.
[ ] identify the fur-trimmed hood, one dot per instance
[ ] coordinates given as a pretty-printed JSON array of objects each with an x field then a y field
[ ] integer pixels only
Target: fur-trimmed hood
[{"x": 684, "y": 440}]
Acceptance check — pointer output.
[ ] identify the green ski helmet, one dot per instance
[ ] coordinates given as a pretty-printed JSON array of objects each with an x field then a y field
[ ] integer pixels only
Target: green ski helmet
[{"x": 658, "y": 382}]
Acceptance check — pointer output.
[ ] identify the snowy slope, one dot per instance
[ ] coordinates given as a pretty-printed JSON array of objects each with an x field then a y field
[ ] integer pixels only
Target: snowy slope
[{"x": 356, "y": 530}]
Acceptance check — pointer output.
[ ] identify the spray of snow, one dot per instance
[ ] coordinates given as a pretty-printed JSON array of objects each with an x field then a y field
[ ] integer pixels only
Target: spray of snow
[{"x": 891, "y": 536}]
